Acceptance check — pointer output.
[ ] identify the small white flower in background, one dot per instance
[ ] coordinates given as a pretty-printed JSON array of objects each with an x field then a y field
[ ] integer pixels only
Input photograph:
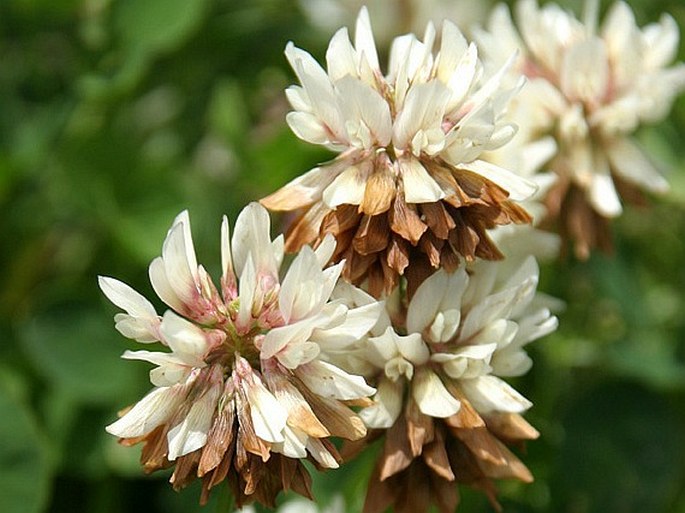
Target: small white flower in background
[
  {"x": 440, "y": 364},
  {"x": 241, "y": 391},
  {"x": 395, "y": 16},
  {"x": 337, "y": 505},
  {"x": 408, "y": 192},
  {"x": 590, "y": 87}
]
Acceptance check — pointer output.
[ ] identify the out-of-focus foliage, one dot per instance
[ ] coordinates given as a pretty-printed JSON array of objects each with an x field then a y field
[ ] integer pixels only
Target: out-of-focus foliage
[{"x": 117, "y": 114}]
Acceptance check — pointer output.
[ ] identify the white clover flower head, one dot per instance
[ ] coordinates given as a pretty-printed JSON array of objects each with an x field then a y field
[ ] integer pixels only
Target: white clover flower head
[
  {"x": 243, "y": 364},
  {"x": 409, "y": 173},
  {"x": 590, "y": 86},
  {"x": 463, "y": 333}
]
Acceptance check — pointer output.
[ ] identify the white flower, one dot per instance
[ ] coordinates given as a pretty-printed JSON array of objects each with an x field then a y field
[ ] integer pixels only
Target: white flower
[
  {"x": 465, "y": 331},
  {"x": 250, "y": 352},
  {"x": 409, "y": 173},
  {"x": 590, "y": 87}
]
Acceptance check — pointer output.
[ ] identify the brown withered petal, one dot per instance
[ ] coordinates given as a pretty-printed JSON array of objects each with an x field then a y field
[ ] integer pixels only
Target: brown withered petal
[
  {"x": 379, "y": 193},
  {"x": 576, "y": 221},
  {"x": 339, "y": 420},
  {"x": 511, "y": 427},
  {"x": 383, "y": 236},
  {"x": 423, "y": 453}
]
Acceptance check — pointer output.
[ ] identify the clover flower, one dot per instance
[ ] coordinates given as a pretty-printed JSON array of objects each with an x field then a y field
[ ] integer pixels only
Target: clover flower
[
  {"x": 407, "y": 193},
  {"x": 590, "y": 88},
  {"x": 242, "y": 394},
  {"x": 442, "y": 404}
]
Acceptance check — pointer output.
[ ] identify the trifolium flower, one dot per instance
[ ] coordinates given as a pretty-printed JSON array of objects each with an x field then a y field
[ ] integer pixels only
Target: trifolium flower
[
  {"x": 241, "y": 393},
  {"x": 589, "y": 88},
  {"x": 407, "y": 193},
  {"x": 440, "y": 364}
]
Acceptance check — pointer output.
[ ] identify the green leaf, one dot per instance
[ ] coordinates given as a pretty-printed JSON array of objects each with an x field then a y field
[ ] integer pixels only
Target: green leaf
[
  {"x": 151, "y": 26},
  {"x": 24, "y": 460},
  {"x": 77, "y": 349}
]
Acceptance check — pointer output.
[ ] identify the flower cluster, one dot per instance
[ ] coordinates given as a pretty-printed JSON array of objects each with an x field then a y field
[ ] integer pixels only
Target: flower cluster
[
  {"x": 407, "y": 193},
  {"x": 589, "y": 88},
  {"x": 418, "y": 208},
  {"x": 242, "y": 394},
  {"x": 438, "y": 361}
]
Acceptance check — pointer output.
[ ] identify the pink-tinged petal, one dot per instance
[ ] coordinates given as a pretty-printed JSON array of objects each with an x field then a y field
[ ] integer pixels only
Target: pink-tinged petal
[
  {"x": 419, "y": 187},
  {"x": 329, "y": 381},
  {"x": 151, "y": 411},
  {"x": 184, "y": 337},
  {"x": 431, "y": 396},
  {"x": 191, "y": 434},
  {"x": 490, "y": 394},
  {"x": 247, "y": 288},
  {"x": 387, "y": 405},
  {"x": 228, "y": 277},
  {"x": 519, "y": 188},
  {"x": 629, "y": 162}
]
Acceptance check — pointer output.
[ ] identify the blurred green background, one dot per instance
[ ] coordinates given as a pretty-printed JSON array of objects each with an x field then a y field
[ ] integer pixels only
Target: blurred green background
[{"x": 117, "y": 114}]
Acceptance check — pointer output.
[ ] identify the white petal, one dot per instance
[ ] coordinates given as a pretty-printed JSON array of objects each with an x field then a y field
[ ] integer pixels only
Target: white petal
[
  {"x": 180, "y": 268},
  {"x": 347, "y": 188},
  {"x": 191, "y": 434},
  {"x": 518, "y": 188},
  {"x": 151, "y": 411},
  {"x": 252, "y": 236},
  {"x": 441, "y": 291},
  {"x": 183, "y": 336},
  {"x": 363, "y": 39},
  {"x": 294, "y": 443},
  {"x": 431, "y": 395},
  {"x": 126, "y": 298},
  {"x": 357, "y": 324},
  {"x": 603, "y": 195},
  {"x": 585, "y": 72},
  {"x": 329, "y": 381},
  {"x": 340, "y": 56},
  {"x": 162, "y": 287},
  {"x": 387, "y": 405},
  {"x": 268, "y": 416},
  {"x": 630, "y": 163},
  {"x": 489, "y": 393},
  {"x": 419, "y": 187},
  {"x": 321, "y": 454}
]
